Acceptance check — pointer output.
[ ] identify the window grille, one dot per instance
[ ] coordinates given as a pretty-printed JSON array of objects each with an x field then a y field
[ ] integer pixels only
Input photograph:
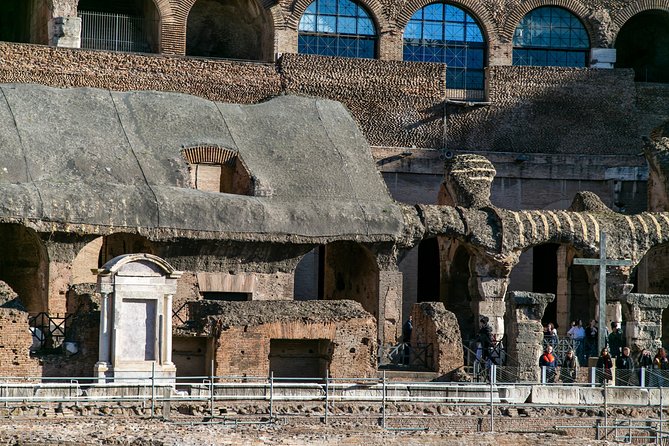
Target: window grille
[
  {"x": 114, "y": 32},
  {"x": 551, "y": 36},
  {"x": 446, "y": 34},
  {"x": 337, "y": 28}
]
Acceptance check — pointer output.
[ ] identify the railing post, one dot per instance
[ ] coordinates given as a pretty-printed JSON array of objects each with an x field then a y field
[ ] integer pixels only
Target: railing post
[
  {"x": 271, "y": 395},
  {"x": 153, "y": 389},
  {"x": 593, "y": 376},
  {"x": 383, "y": 408},
  {"x": 327, "y": 394},
  {"x": 211, "y": 389},
  {"x": 606, "y": 414},
  {"x": 492, "y": 404},
  {"x": 661, "y": 410},
  {"x": 543, "y": 374}
]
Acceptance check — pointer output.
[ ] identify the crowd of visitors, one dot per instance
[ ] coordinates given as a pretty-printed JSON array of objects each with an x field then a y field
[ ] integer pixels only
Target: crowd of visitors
[{"x": 615, "y": 356}]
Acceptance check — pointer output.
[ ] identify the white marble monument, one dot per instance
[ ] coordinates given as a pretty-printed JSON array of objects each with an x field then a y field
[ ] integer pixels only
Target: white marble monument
[{"x": 136, "y": 319}]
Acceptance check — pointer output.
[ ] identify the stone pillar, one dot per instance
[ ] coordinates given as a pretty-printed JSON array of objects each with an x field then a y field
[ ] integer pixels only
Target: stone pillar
[
  {"x": 563, "y": 294},
  {"x": 491, "y": 292},
  {"x": 437, "y": 330},
  {"x": 65, "y": 32},
  {"x": 390, "y": 306},
  {"x": 525, "y": 333},
  {"x": 167, "y": 324},
  {"x": 391, "y": 46},
  {"x": 643, "y": 314}
]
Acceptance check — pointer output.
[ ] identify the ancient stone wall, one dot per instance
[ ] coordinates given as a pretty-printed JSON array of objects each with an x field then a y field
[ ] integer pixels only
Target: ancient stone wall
[
  {"x": 395, "y": 103},
  {"x": 550, "y": 110},
  {"x": 243, "y": 332},
  {"x": 437, "y": 328},
  {"x": 15, "y": 341}
]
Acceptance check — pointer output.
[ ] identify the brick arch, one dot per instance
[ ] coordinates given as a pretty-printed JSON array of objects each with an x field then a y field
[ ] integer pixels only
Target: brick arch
[
  {"x": 373, "y": 7},
  {"x": 180, "y": 27},
  {"x": 576, "y": 8},
  {"x": 474, "y": 7},
  {"x": 632, "y": 9}
]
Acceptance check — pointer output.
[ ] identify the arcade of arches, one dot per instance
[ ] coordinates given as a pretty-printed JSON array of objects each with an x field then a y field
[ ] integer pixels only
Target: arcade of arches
[{"x": 643, "y": 44}]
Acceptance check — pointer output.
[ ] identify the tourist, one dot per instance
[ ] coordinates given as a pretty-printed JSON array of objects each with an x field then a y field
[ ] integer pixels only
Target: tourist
[
  {"x": 616, "y": 340},
  {"x": 569, "y": 367},
  {"x": 645, "y": 365},
  {"x": 604, "y": 366},
  {"x": 548, "y": 363},
  {"x": 591, "y": 333},
  {"x": 661, "y": 365},
  {"x": 407, "y": 329},
  {"x": 577, "y": 334},
  {"x": 550, "y": 335},
  {"x": 624, "y": 368},
  {"x": 486, "y": 338}
]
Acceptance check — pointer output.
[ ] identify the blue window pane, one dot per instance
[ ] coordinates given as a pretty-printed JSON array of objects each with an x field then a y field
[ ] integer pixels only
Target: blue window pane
[
  {"x": 366, "y": 48},
  {"x": 308, "y": 23},
  {"x": 412, "y": 30},
  {"x": 550, "y": 34},
  {"x": 346, "y": 25},
  {"x": 454, "y": 14},
  {"x": 311, "y": 9},
  {"x": 434, "y": 12},
  {"x": 348, "y": 9},
  {"x": 326, "y": 24},
  {"x": 327, "y": 7},
  {"x": 366, "y": 27},
  {"x": 474, "y": 34},
  {"x": 455, "y": 32},
  {"x": 433, "y": 31}
]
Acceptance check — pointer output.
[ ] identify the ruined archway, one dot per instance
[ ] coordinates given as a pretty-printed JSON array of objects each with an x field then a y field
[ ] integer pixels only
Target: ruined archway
[
  {"x": 308, "y": 281},
  {"x": 123, "y": 243},
  {"x": 24, "y": 266},
  {"x": 428, "y": 271},
  {"x": 120, "y": 25},
  {"x": 232, "y": 29},
  {"x": 456, "y": 285},
  {"x": 15, "y": 17},
  {"x": 350, "y": 271},
  {"x": 643, "y": 44}
]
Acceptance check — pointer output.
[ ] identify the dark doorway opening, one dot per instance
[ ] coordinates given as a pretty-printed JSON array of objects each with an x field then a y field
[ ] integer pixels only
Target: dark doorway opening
[
  {"x": 299, "y": 358},
  {"x": 544, "y": 277},
  {"x": 643, "y": 44},
  {"x": 15, "y": 20},
  {"x": 428, "y": 277}
]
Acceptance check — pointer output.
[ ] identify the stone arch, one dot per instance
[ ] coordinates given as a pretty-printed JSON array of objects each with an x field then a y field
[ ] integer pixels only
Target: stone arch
[
  {"x": 458, "y": 287},
  {"x": 86, "y": 260},
  {"x": 576, "y": 8},
  {"x": 473, "y": 7},
  {"x": 24, "y": 266},
  {"x": 230, "y": 29},
  {"x": 350, "y": 271},
  {"x": 642, "y": 43},
  {"x": 373, "y": 7},
  {"x": 152, "y": 13},
  {"x": 120, "y": 243}
]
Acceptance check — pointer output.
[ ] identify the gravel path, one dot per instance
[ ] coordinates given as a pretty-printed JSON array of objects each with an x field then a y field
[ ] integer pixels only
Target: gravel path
[{"x": 107, "y": 431}]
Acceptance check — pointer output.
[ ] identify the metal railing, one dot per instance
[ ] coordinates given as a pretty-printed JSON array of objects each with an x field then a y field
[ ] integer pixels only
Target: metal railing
[
  {"x": 115, "y": 32},
  {"x": 214, "y": 395},
  {"x": 48, "y": 331},
  {"x": 419, "y": 356}
]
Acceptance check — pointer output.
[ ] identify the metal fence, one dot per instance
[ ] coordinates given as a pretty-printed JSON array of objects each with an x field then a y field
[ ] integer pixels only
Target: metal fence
[
  {"x": 115, "y": 32},
  {"x": 215, "y": 394}
]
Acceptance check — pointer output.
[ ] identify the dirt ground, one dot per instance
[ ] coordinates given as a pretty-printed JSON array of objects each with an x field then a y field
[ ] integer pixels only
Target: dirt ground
[{"x": 138, "y": 432}]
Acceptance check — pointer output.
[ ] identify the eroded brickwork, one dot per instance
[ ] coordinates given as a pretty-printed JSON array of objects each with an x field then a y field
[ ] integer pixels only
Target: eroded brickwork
[{"x": 15, "y": 341}]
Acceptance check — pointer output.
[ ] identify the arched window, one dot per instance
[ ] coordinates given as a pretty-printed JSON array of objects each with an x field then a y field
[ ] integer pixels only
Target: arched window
[
  {"x": 337, "y": 28},
  {"x": 550, "y": 36},
  {"x": 446, "y": 34},
  {"x": 643, "y": 44}
]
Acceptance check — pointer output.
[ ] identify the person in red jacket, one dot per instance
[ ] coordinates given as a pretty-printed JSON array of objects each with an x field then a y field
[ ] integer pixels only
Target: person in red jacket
[{"x": 548, "y": 360}]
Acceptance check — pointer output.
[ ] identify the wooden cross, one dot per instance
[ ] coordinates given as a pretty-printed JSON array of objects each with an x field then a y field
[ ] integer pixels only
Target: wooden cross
[{"x": 602, "y": 262}]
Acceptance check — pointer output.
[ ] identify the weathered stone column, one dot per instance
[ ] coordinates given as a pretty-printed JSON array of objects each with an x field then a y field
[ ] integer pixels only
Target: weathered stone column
[
  {"x": 491, "y": 291},
  {"x": 643, "y": 313},
  {"x": 525, "y": 332},
  {"x": 437, "y": 329},
  {"x": 390, "y": 306},
  {"x": 65, "y": 32},
  {"x": 563, "y": 292}
]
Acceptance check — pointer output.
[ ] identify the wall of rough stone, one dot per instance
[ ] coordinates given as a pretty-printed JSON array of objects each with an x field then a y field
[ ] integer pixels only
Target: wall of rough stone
[
  {"x": 438, "y": 328},
  {"x": 15, "y": 342},
  {"x": 245, "y": 350},
  {"x": 396, "y": 103}
]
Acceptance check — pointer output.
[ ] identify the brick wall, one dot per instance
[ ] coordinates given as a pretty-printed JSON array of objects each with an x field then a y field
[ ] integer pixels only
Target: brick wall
[
  {"x": 15, "y": 342},
  {"x": 396, "y": 103},
  {"x": 244, "y": 350}
]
